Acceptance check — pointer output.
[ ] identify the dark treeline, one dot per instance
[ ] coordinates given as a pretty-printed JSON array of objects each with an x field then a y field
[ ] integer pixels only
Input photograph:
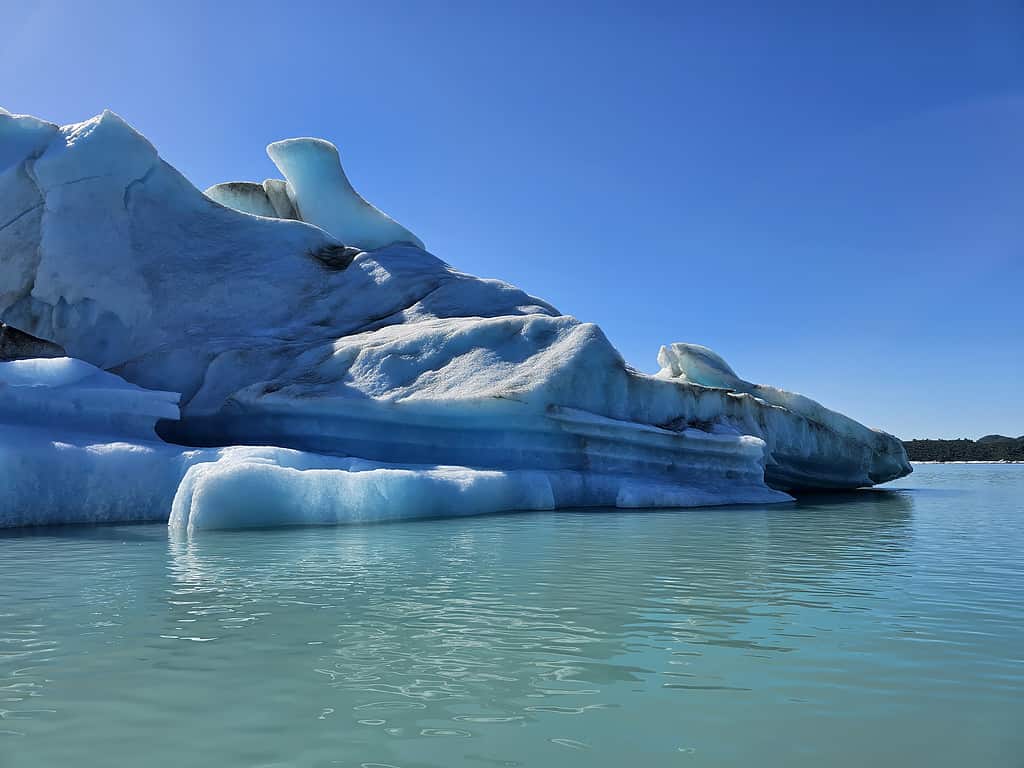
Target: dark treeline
[{"x": 988, "y": 448}]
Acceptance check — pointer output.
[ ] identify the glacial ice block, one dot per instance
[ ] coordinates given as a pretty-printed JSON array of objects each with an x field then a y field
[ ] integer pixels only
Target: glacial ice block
[
  {"x": 323, "y": 195},
  {"x": 266, "y": 487},
  {"x": 276, "y": 335}
]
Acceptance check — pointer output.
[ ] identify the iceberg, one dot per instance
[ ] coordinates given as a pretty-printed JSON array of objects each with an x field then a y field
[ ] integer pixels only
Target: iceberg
[{"x": 302, "y": 359}]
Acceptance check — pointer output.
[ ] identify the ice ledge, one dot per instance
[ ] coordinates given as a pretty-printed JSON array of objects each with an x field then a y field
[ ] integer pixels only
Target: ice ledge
[
  {"x": 78, "y": 445},
  {"x": 264, "y": 487},
  {"x": 873, "y": 456},
  {"x": 68, "y": 395}
]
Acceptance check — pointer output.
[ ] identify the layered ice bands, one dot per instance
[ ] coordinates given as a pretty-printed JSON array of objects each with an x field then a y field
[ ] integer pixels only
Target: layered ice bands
[
  {"x": 794, "y": 422},
  {"x": 371, "y": 380},
  {"x": 72, "y": 395},
  {"x": 77, "y": 444}
]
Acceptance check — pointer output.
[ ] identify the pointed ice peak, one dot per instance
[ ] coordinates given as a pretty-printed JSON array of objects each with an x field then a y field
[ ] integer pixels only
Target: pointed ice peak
[
  {"x": 102, "y": 146},
  {"x": 322, "y": 195},
  {"x": 108, "y": 127}
]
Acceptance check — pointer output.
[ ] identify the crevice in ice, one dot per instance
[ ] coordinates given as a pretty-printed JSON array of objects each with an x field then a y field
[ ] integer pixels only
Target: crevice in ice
[
  {"x": 335, "y": 257},
  {"x": 28, "y": 168},
  {"x": 141, "y": 180},
  {"x": 79, "y": 181},
  {"x": 21, "y": 215}
]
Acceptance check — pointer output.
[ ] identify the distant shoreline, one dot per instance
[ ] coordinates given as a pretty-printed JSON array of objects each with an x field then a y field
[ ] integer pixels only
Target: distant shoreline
[
  {"x": 993, "y": 461},
  {"x": 991, "y": 449}
]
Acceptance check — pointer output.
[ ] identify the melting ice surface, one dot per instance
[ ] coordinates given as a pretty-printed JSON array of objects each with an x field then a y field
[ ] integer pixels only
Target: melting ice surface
[
  {"x": 285, "y": 352},
  {"x": 874, "y": 628}
]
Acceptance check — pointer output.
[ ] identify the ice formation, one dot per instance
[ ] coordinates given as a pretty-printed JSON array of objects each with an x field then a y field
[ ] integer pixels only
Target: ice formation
[
  {"x": 243, "y": 487},
  {"x": 787, "y": 466},
  {"x": 321, "y": 194},
  {"x": 371, "y": 379},
  {"x": 317, "y": 191},
  {"x": 78, "y": 444},
  {"x": 245, "y": 196},
  {"x": 62, "y": 392}
]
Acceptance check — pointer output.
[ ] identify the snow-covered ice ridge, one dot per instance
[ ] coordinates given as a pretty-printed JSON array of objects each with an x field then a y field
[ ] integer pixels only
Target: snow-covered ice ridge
[{"x": 371, "y": 379}]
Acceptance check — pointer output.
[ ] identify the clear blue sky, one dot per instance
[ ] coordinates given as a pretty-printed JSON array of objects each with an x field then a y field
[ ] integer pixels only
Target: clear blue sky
[{"x": 831, "y": 197}]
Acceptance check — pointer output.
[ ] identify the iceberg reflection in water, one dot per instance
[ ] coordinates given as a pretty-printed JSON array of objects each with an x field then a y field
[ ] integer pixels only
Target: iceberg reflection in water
[{"x": 873, "y": 626}]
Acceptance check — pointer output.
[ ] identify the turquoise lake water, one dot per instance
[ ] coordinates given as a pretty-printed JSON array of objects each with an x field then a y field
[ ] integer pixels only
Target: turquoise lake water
[{"x": 883, "y": 628}]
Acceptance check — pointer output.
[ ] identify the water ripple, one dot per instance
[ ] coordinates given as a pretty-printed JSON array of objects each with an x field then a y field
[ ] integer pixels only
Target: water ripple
[{"x": 848, "y": 627}]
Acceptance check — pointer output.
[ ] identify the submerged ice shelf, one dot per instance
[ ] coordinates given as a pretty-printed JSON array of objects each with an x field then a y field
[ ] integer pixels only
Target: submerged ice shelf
[{"x": 371, "y": 379}]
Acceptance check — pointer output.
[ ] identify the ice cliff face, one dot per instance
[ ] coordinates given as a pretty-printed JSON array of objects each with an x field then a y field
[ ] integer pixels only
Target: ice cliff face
[{"x": 295, "y": 314}]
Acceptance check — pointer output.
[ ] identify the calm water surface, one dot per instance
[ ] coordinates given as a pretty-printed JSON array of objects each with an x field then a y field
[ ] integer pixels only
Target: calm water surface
[{"x": 882, "y": 628}]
